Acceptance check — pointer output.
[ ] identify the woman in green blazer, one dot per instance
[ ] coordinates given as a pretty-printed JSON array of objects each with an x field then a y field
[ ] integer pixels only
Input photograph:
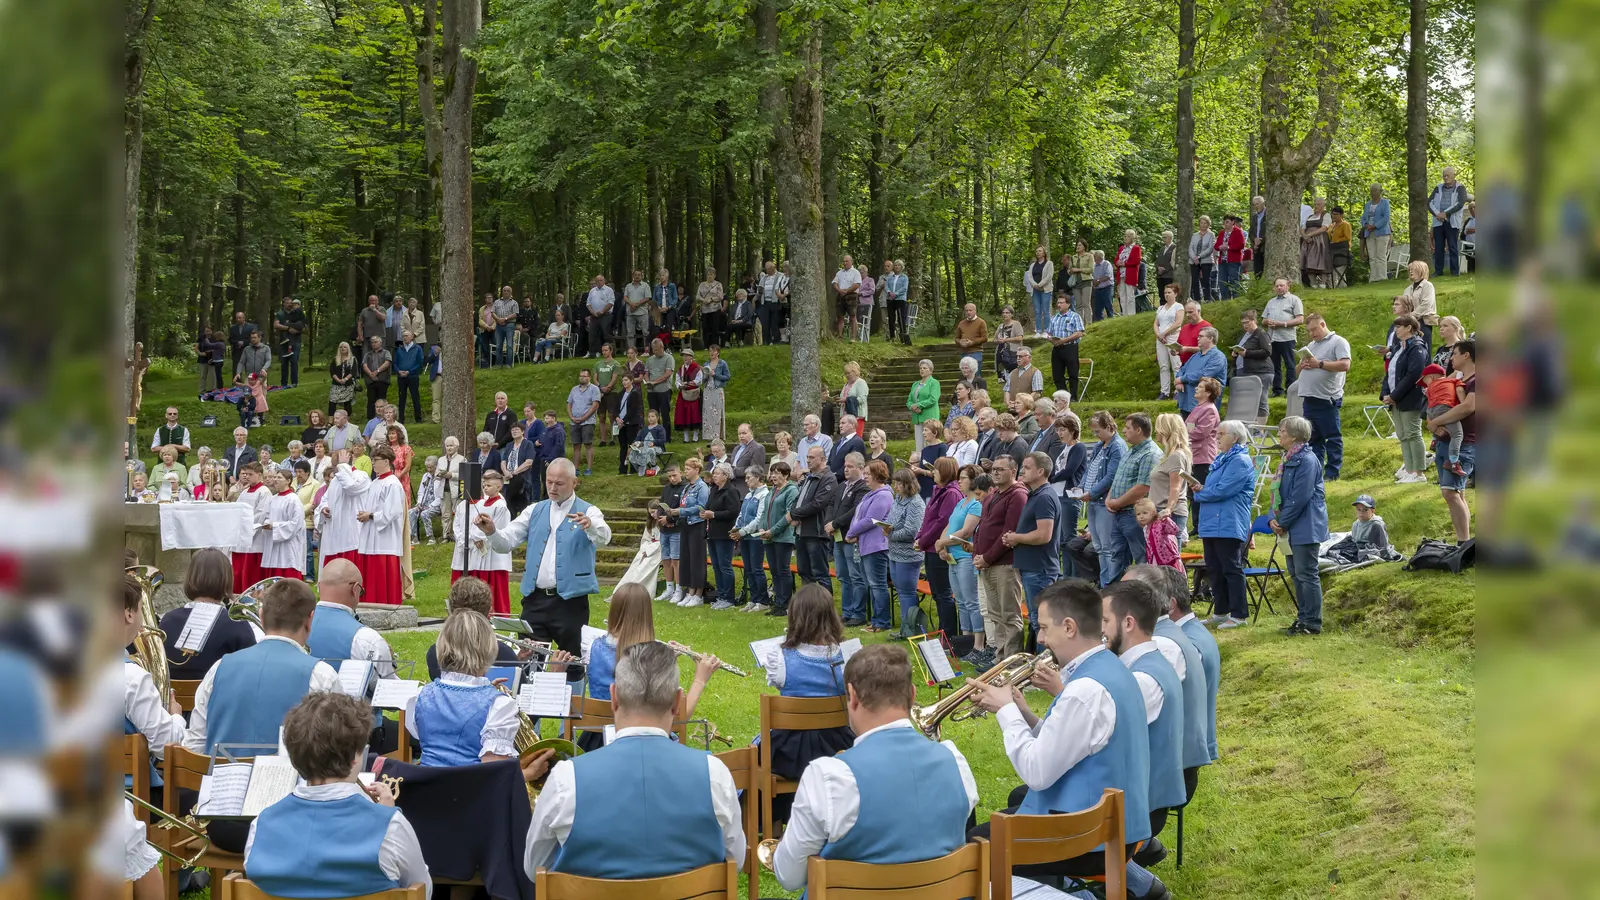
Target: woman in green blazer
[{"x": 923, "y": 401}]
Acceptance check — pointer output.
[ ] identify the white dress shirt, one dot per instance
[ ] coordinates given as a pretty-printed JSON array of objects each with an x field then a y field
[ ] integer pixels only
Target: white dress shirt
[
  {"x": 506, "y": 540},
  {"x": 147, "y": 710},
  {"x": 499, "y": 733},
  {"x": 368, "y": 645},
  {"x": 400, "y": 854},
  {"x": 826, "y": 807},
  {"x": 553, "y": 812},
  {"x": 323, "y": 678},
  {"x": 1169, "y": 648},
  {"x": 1080, "y": 725},
  {"x": 1149, "y": 688}
]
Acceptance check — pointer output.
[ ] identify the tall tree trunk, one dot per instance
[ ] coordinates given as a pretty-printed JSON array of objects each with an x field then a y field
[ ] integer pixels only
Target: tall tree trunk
[
  {"x": 758, "y": 215},
  {"x": 461, "y": 20},
  {"x": 877, "y": 199},
  {"x": 140, "y": 18},
  {"x": 694, "y": 265},
  {"x": 795, "y": 111},
  {"x": 1289, "y": 164},
  {"x": 1418, "y": 220},
  {"x": 240, "y": 298},
  {"x": 1185, "y": 133},
  {"x": 960, "y": 272},
  {"x": 832, "y": 248},
  {"x": 722, "y": 199},
  {"x": 1041, "y": 207},
  {"x": 658, "y": 237}
]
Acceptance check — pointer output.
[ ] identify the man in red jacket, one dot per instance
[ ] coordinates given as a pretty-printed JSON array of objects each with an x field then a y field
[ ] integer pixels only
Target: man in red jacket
[
  {"x": 1230, "y": 252},
  {"x": 1002, "y": 593},
  {"x": 1189, "y": 331},
  {"x": 1129, "y": 256}
]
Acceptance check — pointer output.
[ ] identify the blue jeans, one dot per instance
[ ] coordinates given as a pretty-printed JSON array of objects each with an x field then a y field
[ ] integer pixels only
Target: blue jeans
[
  {"x": 1066, "y": 530},
  {"x": 671, "y": 546},
  {"x": 1230, "y": 279},
  {"x": 1131, "y": 547},
  {"x": 847, "y": 565},
  {"x": 1041, "y": 310},
  {"x": 905, "y": 585},
  {"x": 502, "y": 339},
  {"x": 311, "y": 555},
  {"x": 964, "y": 580},
  {"x": 1307, "y": 585},
  {"x": 755, "y": 578},
  {"x": 721, "y": 550},
  {"x": 485, "y": 348},
  {"x": 875, "y": 578},
  {"x": 1032, "y": 584},
  {"x": 1327, "y": 442},
  {"x": 1100, "y": 300},
  {"x": 1102, "y": 524},
  {"x": 1448, "y": 480},
  {"x": 1446, "y": 245}
]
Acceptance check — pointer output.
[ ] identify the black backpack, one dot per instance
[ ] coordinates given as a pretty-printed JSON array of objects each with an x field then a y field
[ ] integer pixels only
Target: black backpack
[{"x": 1432, "y": 554}]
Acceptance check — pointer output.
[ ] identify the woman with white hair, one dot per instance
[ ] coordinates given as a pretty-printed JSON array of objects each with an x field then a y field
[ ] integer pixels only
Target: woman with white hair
[
  {"x": 969, "y": 374},
  {"x": 1223, "y": 523},
  {"x": 1302, "y": 517},
  {"x": 1424, "y": 304}
]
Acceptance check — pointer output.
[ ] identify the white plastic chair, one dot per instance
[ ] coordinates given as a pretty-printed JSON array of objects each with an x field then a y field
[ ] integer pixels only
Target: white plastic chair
[
  {"x": 1399, "y": 258},
  {"x": 864, "y": 323}
]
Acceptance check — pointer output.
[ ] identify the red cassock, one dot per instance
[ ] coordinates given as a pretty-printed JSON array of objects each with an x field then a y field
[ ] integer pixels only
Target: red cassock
[
  {"x": 296, "y": 574},
  {"x": 499, "y": 581},
  {"x": 380, "y": 575},
  {"x": 246, "y": 570}
]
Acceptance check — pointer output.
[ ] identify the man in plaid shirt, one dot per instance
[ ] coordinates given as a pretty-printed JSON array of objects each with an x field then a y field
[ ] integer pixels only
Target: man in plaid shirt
[
  {"x": 1129, "y": 486},
  {"x": 1066, "y": 329}
]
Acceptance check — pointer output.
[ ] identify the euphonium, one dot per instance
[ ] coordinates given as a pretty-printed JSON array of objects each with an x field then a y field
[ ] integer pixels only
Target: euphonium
[
  {"x": 245, "y": 606},
  {"x": 1011, "y": 671},
  {"x": 528, "y": 743},
  {"x": 149, "y": 646}
]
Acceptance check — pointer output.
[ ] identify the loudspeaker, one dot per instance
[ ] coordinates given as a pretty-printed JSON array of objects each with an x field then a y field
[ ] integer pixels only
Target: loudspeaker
[{"x": 472, "y": 480}]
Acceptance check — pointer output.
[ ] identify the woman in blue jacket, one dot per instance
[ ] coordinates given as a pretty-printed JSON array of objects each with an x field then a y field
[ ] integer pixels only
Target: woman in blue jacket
[
  {"x": 1224, "y": 523},
  {"x": 1302, "y": 517},
  {"x": 1408, "y": 355}
]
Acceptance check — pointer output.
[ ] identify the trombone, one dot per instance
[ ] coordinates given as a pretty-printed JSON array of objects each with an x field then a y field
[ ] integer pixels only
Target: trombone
[
  {"x": 166, "y": 821},
  {"x": 686, "y": 650}
]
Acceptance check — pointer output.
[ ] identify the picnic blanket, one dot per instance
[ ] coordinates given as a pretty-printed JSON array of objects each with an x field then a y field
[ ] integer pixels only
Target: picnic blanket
[{"x": 233, "y": 395}]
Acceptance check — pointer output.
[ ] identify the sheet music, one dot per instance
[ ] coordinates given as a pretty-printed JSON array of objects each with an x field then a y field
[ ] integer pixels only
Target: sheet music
[
  {"x": 272, "y": 780},
  {"x": 394, "y": 693},
  {"x": 195, "y": 631},
  {"x": 590, "y": 635},
  {"x": 222, "y": 792},
  {"x": 516, "y": 626},
  {"x": 764, "y": 648},
  {"x": 546, "y": 694},
  {"x": 354, "y": 676},
  {"x": 938, "y": 662},
  {"x": 1033, "y": 890},
  {"x": 850, "y": 648}
]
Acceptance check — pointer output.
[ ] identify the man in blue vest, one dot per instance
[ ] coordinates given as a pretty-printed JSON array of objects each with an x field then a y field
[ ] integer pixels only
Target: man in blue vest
[
  {"x": 562, "y": 533},
  {"x": 331, "y": 837},
  {"x": 1179, "y": 611},
  {"x": 245, "y": 696},
  {"x": 643, "y": 806},
  {"x": 1094, "y": 735},
  {"x": 894, "y": 797},
  {"x": 337, "y": 635},
  {"x": 1129, "y": 613},
  {"x": 1199, "y": 687}
]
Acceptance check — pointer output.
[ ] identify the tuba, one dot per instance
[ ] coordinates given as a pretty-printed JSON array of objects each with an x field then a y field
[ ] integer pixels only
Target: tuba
[
  {"x": 1011, "y": 671},
  {"x": 245, "y": 606},
  {"x": 528, "y": 743},
  {"x": 149, "y": 646}
]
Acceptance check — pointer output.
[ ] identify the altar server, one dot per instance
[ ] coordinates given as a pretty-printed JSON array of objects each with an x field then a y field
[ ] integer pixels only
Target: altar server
[
  {"x": 381, "y": 512},
  {"x": 284, "y": 522},
  {"x": 472, "y": 554},
  {"x": 247, "y": 554},
  {"x": 340, "y": 532}
]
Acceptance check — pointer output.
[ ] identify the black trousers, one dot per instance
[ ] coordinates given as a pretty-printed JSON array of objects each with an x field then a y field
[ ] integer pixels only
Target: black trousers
[
  {"x": 1085, "y": 866},
  {"x": 712, "y": 326},
  {"x": 944, "y": 602},
  {"x": 1283, "y": 364},
  {"x": 376, "y": 390},
  {"x": 895, "y": 322},
  {"x": 661, "y": 402},
  {"x": 408, "y": 385},
  {"x": 778, "y": 554},
  {"x": 814, "y": 555},
  {"x": 599, "y": 332},
  {"x": 1085, "y": 559},
  {"x": 625, "y": 437},
  {"x": 560, "y": 619},
  {"x": 1064, "y": 360}
]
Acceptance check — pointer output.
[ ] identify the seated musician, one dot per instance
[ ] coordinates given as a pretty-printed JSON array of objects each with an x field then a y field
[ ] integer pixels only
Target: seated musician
[
  {"x": 1205, "y": 644},
  {"x": 471, "y": 594},
  {"x": 894, "y": 797},
  {"x": 209, "y": 581},
  {"x": 631, "y": 620},
  {"x": 331, "y": 837},
  {"x": 808, "y": 664},
  {"x": 337, "y": 635},
  {"x": 1091, "y": 738},
  {"x": 642, "y": 806},
  {"x": 1180, "y": 650},
  {"x": 144, "y": 711}
]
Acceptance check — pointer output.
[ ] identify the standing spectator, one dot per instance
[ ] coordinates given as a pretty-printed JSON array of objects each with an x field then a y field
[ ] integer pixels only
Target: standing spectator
[
  {"x": 1036, "y": 535},
  {"x": 963, "y": 445},
  {"x": 289, "y": 324},
  {"x": 1007, "y": 341},
  {"x": 608, "y": 378},
  {"x": 1469, "y": 236},
  {"x": 371, "y": 322},
  {"x": 1454, "y": 474},
  {"x": 376, "y": 366},
  {"x": 1169, "y": 320},
  {"x": 813, "y": 541},
  {"x": 213, "y": 349},
  {"x": 1302, "y": 517},
  {"x": 686, "y": 413},
  {"x": 255, "y": 360},
  {"x": 895, "y": 288},
  {"x": 872, "y": 543},
  {"x": 1403, "y": 393},
  {"x": 1001, "y": 593},
  {"x": 972, "y": 333},
  {"x": 954, "y": 544},
  {"x": 1222, "y": 519},
  {"x": 408, "y": 363},
  {"x": 504, "y": 312},
  {"x": 1283, "y": 315},
  {"x": 486, "y": 332},
  {"x": 552, "y": 442},
  {"x": 866, "y": 290},
  {"x": 721, "y": 511},
  {"x": 1424, "y": 303},
  {"x": 1169, "y": 489},
  {"x": 960, "y": 406},
  {"x": 1129, "y": 257},
  {"x": 777, "y": 536},
  {"x": 692, "y": 533},
  {"x": 601, "y": 302},
  {"x": 1104, "y": 281},
  {"x": 1207, "y": 362},
  {"x": 939, "y": 505},
  {"x": 239, "y": 335},
  {"x": 1322, "y": 377},
  {"x": 1339, "y": 235},
  {"x": 636, "y": 298},
  {"x": 316, "y": 429},
  {"x": 1066, "y": 479},
  {"x": 1006, "y": 443},
  {"x": 812, "y": 436},
  {"x": 1166, "y": 263},
  {"x": 528, "y": 326},
  {"x": 1252, "y": 358},
  {"x": 1375, "y": 233},
  {"x": 846, "y": 552},
  {"x": 630, "y": 422},
  {"x": 1080, "y": 278},
  {"x": 747, "y": 453},
  {"x": 847, "y": 443},
  {"x": 658, "y": 375},
  {"x": 343, "y": 433},
  {"x": 1202, "y": 259},
  {"x": 774, "y": 289},
  {"x": 1037, "y": 280},
  {"x": 415, "y": 322},
  {"x": 1025, "y": 378},
  {"x": 1065, "y": 332},
  {"x": 664, "y": 302},
  {"x": 518, "y": 463},
  {"x": 713, "y": 404},
  {"x": 1316, "y": 254},
  {"x": 845, "y": 283},
  {"x": 1230, "y": 255},
  {"x": 878, "y": 449},
  {"x": 1451, "y": 333},
  {"x": 583, "y": 407},
  {"x": 497, "y": 422},
  {"x": 713, "y": 306},
  {"x": 171, "y": 434},
  {"x": 902, "y": 526},
  {"x": 449, "y": 475},
  {"x": 923, "y": 401},
  {"x": 671, "y": 544},
  {"x": 1447, "y": 205},
  {"x": 1258, "y": 234},
  {"x": 1130, "y": 485},
  {"x": 746, "y": 534},
  {"x": 1099, "y": 471}
]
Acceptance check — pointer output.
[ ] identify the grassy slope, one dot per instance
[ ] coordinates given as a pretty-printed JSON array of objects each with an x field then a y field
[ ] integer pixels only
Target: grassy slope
[{"x": 1349, "y": 753}]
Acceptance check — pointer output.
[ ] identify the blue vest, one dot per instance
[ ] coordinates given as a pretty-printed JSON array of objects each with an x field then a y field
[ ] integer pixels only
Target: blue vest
[
  {"x": 320, "y": 848},
  {"x": 808, "y": 676},
  {"x": 1166, "y": 733},
  {"x": 575, "y": 553},
  {"x": 1123, "y": 763},
  {"x": 643, "y": 811},
  {"x": 1211, "y": 661},
  {"x": 333, "y": 631},
  {"x": 450, "y": 721},
  {"x": 913, "y": 805},
  {"x": 602, "y": 667},
  {"x": 254, "y": 689},
  {"x": 1195, "y": 751},
  {"x": 22, "y": 706}
]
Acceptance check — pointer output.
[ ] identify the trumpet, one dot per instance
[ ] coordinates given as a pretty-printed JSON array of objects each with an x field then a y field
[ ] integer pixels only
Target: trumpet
[
  {"x": 1009, "y": 672},
  {"x": 168, "y": 822},
  {"x": 686, "y": 650}
]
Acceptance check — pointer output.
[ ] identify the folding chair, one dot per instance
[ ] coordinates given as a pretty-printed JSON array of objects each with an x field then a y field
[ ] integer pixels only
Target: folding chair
[
  {"x": 1371, "y": 413},
  {"x": 954, "y": 876},
  {"x": 911, "y": 317},
  {"x": 791, "y": 714},
  {"x": 237, "y": 887},
  {"x": 864, "y": 323},
  {"x": 718, "y": 881},
  {"x": 1244, "y": 398},
  {"x": 1294, "y": 404},
  {"x": 1039, "y": 840},
  {"x": 1261, "y": 576},
  {"x": 1083, "y": 389},
  {"x": 741, "y": 765}
]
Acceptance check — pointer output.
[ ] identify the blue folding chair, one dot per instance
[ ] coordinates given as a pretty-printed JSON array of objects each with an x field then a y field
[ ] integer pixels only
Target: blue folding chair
[{"x": 1261, "y": 576}]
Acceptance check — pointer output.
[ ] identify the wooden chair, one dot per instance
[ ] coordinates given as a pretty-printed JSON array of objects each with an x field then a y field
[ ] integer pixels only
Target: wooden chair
[
  {"x": 184, "y": 691},
  {"x": 791, "y": 714},
  {"x": 718, "y": 881},
  {"x": 183, "y": 769},
  {"x": 237, "y": 887},
  {"x": 594, "y": 715},
  {"x": 962, "y": 874},
  {"x": 741, "y": 764},
  {"x": 1036, "y": 840},
  {"x": 402, "y": 750},
  {"x": 136, "y": 765}
]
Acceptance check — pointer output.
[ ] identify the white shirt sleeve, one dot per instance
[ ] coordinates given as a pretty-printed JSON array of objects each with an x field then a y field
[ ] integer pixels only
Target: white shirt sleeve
[
  {"x": 552, "y": 818},
  {"x": 400, "y": 855},
  {"x": 147, "y": 710},
  {"x": 369, "y": 645},
  {"x": 776, "y": 671},
  {"x": 1080, "y": 724},
  {"x": 499, "y": 734},
  {"x": 324, "y": 678},
  {"x": 194, "y": 740},
  {"x": 725, "y": 803},
  {"x": 506, "y": 539},
  {"x": 1173, "y": 653},
  {"x": 1153, "y": 698}
]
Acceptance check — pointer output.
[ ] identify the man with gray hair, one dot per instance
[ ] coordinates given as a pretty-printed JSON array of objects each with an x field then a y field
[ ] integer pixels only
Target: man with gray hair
[
  {"x": 1446, "y": 206},
  {"x": 1046, "y": 441},
  {"x": 643, "y": 806},
  {"x": 812, "y": 436},
  {"x": 846, "y": 552}
]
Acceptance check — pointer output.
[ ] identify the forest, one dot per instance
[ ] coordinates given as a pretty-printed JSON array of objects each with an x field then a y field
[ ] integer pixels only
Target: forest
[{"x": 330, "y": 149}]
